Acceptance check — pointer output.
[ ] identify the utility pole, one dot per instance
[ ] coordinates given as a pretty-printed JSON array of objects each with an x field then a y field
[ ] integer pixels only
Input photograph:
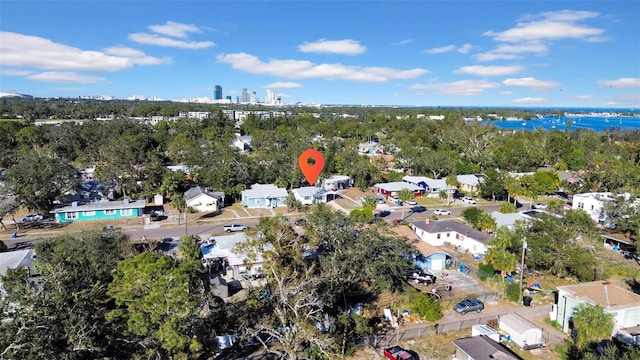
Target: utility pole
[
  {"x": 186, "y": 229},
  {"x": 524, "y": 250}
]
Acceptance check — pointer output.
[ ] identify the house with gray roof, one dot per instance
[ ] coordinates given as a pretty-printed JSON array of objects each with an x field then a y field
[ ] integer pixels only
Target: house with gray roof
[
  {"x": 203, "y": 200},
  {"x": 450, "y": 232},
  {"x": 99, "y": 210},
  {"x": 264, "y": 196},
  {"x": 469, "y": 184},
  {"x": 508, "y": 220},
  {"x": 482, "y": 347},
  {"x": 309, "y": 195}
]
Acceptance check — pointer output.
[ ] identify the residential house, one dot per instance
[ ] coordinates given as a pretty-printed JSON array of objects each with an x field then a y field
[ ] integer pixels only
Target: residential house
[
  {"x": 431, "y": 258},
  {"x": 337, "y": 182},
  {"x": 100, "y": 210},
  {"x": 370, "y": 148},
  {"x": 592, "y": 203},
  {"x": 623, "y": 304},
  {"x": 14, "y": 260},
  {"x": 431, "y": 187},
  {"x": 226, "y": 247},
  {"x": 508, "y": 220},
  {"x": 469, "y": 184},
  {"x": 392, "y": 188},
  {"x": 482, "y": 347},
  {"x": 242, "y": 142},
  {"x": 264, "y": 196},
  {"x": 449, "y": 232},
  {"x": 309, "y": 195},
  {"x": 202, "y": 200}
]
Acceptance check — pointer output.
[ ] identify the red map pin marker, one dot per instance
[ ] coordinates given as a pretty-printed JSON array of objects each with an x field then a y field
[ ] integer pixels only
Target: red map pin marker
[{"x": 311, "y": 171}]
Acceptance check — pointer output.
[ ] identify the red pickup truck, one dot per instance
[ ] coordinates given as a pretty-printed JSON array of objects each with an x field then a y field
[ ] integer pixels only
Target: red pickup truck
[{"x": 399, "y": 353}]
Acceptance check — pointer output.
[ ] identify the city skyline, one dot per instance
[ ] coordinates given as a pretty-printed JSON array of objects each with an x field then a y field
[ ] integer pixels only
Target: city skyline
[{"x": 429, "y": 53}]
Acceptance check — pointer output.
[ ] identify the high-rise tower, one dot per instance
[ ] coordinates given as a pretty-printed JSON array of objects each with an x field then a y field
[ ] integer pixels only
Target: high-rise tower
[{"x": 217, "y": 92}]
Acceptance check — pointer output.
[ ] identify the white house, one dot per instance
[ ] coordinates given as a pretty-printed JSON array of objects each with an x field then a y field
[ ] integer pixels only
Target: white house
[
  {"x": 16, "y": 259},
  {"x": 431, "y": 187},
  {"x": 508, "y": 220},
  {"x": 337, "y": 182},
  {"x": 623, "y": 304},
  {"x": 469, "y": 183},
  {"x": 392, "y": 188},
  {"x": 242, "y": 142},
  {"x": 521, "y": 332},
  {"x": 449, "y": 232},
  {"x": 202, "y": 200},
  {"x": 309, "y": 195},
  {"x": 226, "y": 247},
  {"x": 592, "y": 203}
]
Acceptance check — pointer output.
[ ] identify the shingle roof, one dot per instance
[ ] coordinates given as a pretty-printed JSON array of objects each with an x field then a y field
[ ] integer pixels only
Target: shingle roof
[
  {"x": 199, "y": 190},
  {"x": 307, "y": 191},
  {"x": 397, "y": 186},
  {"x": 101, "y": 205},
  {"x": 443, "y": 226},
  {"x": 483, "y": 348},
  {"x": 262, "y": 191}
]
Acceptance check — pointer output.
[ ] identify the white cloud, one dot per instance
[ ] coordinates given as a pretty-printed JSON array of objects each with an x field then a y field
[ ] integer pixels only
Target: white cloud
[
  {"x": 553, "y": 25},
  {"x": 531, "y": 83},
  {"x": 153, "y": 39},
  {"x": 513, "y": 51},
  {"x": 529, "y": 100},
  {"x": 14, "y": 72},
  {"x": 282, "y": 85},
  {"x": 440, "y": 50},
  {"x": 66, "y": 77},
  {"x": 506, "y": 93},
  {"x": 174, "y": 29},
  {"x": 489, "y": 70},
  {"x": 402, "y": 42},
  {"x": 584, "y": 97},
  {"x": 464, "y": 49},
  {"x": 136, "y": 56},
  {"x": 459, "y": 88},
  {"x": 303, "y": 69},
  {"x": 31, "y": 51},
  {"x": 343, "y": 47},
  {"x": 621, "y": 83}
]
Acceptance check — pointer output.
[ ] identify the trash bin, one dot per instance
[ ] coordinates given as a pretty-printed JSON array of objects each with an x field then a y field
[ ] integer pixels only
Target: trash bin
[{"x": 526, "y": 300}]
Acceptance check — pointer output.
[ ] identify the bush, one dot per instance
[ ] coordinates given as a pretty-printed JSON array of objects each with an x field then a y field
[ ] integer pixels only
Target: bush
[
  {"x": 426, "y": 308},
  {"x": 486, "y": 271},
  {"x": 512, "y": 291}
]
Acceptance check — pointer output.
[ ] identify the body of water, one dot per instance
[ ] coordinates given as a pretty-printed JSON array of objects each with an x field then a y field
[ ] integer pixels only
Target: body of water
[{"x": 596, "y": 123}]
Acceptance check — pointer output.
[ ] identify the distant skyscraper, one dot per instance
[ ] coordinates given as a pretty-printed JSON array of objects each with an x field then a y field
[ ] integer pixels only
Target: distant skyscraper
[
  {"x": 217, "y": 93},
  {"x": 244, "y": 96}
]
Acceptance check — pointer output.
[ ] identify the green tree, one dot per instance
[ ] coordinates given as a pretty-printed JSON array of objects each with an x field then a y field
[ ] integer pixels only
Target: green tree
[
  {"x": 38, "y": 181},
  {"x": 472, "y": 215},
  {"x": 369, "y": 203},
  {"x": 153, "y": 297},
  {"x": 405, "y": 195},
  {"x": 62, "y": 316},
  {"x": 592, "y": 324},
  {"x": 508, "y": 208},
  {"x": 452, "y": 182},
  {"x": 500, "y": 251}
]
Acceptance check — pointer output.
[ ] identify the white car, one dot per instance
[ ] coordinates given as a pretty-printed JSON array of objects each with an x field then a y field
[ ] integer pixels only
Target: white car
[
  {"x": 540, "y": 206},
  {"x": 235, "y": 227},
  {"x": 32, "y": 217},
  {"x": 441, "y": 212},
  {"x": 412, "y": 202},
  {"x": 468, "y": 200}
]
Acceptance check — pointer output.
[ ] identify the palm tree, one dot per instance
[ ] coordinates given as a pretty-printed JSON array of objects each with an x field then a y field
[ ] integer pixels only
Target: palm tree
[
  {"x": 369, "y": 203},
  {"x": 451, "y": 181},
  {"x": 405, "y": 195}
]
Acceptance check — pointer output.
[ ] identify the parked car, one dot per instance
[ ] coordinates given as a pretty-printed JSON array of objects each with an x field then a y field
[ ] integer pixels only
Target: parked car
[
  {"x": 399, "y": 353},
  {"x": 412, "y": 202},
  {"x": 32, "y": 217},
  {"x": 418, "y": 208},
  {"x": 380, "y": 200},
  {"x": 383, "y": 213},
  {"x": 468, "y": 200},
  {"x": 300, "y": 221},
  {"x": 441, "y": 212},
  {"x": 419, "y": 276},
  {"x": 235, "y": 227},
  {"x": 540, "y": 205},
  {"x": 469, "y": 305}
]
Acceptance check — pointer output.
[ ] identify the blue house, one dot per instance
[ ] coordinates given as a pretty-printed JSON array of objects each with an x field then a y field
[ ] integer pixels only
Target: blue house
[
  {"x": 100, "y": 210},
  {"x": 431, "y": 258},
  {"x": 264, "y": 196}
]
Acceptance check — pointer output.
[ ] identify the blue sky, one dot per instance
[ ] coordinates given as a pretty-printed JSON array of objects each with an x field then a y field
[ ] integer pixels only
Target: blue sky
[{"x": 424, "y": 53}]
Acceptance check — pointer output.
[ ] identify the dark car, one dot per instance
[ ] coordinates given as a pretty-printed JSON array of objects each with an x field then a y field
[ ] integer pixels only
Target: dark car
[
  {"x": 300, "y": 221},
  {"x": 469, "y": 305},
  {"x": 418, "y": 208},
  {"x": 384, "y": 213},
  {"x": 419, "y": 276}
]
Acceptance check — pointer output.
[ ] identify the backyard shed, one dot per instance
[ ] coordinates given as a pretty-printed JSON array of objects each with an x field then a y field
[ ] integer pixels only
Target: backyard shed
[
  {"x": 521, "y": 331},
  {"x": 481, "y": 329}
]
